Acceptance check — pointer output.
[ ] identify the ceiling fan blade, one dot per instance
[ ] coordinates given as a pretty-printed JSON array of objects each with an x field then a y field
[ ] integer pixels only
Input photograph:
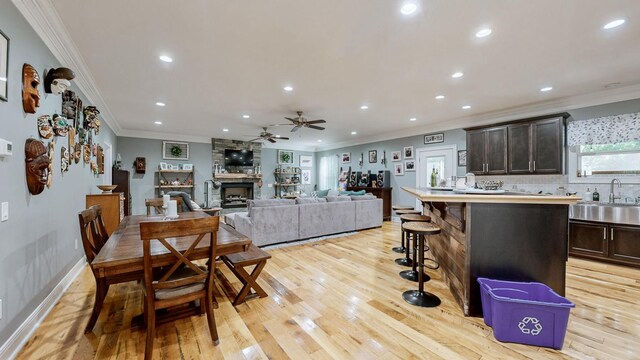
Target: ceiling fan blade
[
  {"x": 290, "y": 119},
  {"x": 316, "y": 122},
  {"x": 271, "y": 140},
  {"x": 283, "y": 138},
  {"x": 295, "y": 128},
  {"x": 279, "y": 125},
  {"x": 316, "y": 127},
  {"x": 255, "y": 139}
]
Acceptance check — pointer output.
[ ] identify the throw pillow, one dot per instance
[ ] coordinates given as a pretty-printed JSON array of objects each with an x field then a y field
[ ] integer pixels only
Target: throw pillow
[
  {"x": 358, "y": 193},
  {"x": 322, "y": 193}
]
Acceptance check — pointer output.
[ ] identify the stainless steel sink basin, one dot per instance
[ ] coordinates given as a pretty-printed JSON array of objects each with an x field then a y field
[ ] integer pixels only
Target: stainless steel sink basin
[{"x": 628, "y": 214}]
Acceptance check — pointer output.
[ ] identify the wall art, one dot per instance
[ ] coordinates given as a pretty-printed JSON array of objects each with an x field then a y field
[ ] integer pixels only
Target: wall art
[
  {"x": 30, "y": 92},
  {"x": 100, "y": 160},
  {"x": 72, "y": 144},
  {"x": 64, "y": 159},
  {"x": 52, "y": 152},
  {"x": 172, "y": 150},
  {"x": 37, "y": 165},
  {"x": 60, "y": 125},
  {"x": 434, "y": 138},
  {"x": 71, "y": 108},
  {"x": 91, "y": 121},
  {"x": 164, "y": 166},
  {"x": 285, "y": 157},
  {"x": 410, "y": 165},
  {"x": 396, "y": 156},
  {"x": 373, "y": 156},
  {"x": 305, "y": 177},
  {"x": 56, "y": 81},
  {"x": 346, "y": 158},
  {"x": 4, "y": 66},
  {"x": 86, "y": 153},
  {"x": 187, "y": 167},
  {"x": 462, "y": 157},
  {"x": 398, "y": 169},
  {"x": 77, "y": 152},
  {"x": 45, "y": 128},
  {"x": 306, "y": 161},
  {"x": 408, "y": 152}
]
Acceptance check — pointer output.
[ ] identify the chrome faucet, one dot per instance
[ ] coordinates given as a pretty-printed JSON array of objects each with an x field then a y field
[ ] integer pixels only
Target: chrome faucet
[{"x": 612, "y": 196}]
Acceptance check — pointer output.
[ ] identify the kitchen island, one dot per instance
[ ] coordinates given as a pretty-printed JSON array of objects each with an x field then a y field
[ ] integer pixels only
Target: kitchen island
[{"x": 517, "y": 237}]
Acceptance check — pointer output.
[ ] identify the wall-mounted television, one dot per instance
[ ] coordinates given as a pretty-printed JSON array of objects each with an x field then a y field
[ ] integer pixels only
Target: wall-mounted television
[{"x": 238, "y": 158}]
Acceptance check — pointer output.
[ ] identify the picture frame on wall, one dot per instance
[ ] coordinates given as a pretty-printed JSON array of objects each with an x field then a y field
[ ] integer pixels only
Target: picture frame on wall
[
  {"x": 306, "y": 161},
  {"x": 4, "y": 66},
  {"x": 434, "y": 138},
  {"x": 285, "y": 157},
  {"x": 373, "y": 156},
  {"x": 462, "y": 157},
  {"x": 346, "y": 158},
  {"x": 410, "y": 165},
  {"x": 396, "y": 156},
  {"x": 173, "y": 150},
  {"x": 164, "y": 166},
  {"x": 398, "y": 169},
  {"x": 408, "y": 152},
  {"x": 305, "y": 177},
  {"x": 187, "y": 167}
]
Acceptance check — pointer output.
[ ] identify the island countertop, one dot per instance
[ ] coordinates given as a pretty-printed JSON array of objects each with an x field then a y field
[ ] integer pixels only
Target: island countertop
[{"x": 426, "y": 195}]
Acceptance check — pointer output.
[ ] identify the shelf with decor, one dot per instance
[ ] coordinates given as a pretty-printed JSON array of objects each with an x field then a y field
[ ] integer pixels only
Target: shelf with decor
[
  {"x": 184, "y": 181},
  {"x": 286, "y": 180}
]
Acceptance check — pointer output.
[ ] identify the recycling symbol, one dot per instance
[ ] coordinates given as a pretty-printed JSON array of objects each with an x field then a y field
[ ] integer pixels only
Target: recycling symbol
[{"x": 530, "y": 326}]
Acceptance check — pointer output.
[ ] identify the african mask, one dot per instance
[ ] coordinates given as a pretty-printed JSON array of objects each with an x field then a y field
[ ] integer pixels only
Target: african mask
[
  {"x": 86, "y": 153},
  {"x": 30, "y": 93},
  {"x": 52, "y": 151},
  {"x": 72, "y": 143},
  {"x": 64, "y": 159},
  {"x": 77, "y": 153},
  {"x": 91, "y": 120},
  {"x": 60, "y": 125},
  {"x": 94, "y": 167},
  {"x": 45, "y": 129},
  {"x": 57, "y": 80},
  {"x": 71, "y": 107},
  {"x": 37, "y": 164},
  {"x": 82, "y": 135}
]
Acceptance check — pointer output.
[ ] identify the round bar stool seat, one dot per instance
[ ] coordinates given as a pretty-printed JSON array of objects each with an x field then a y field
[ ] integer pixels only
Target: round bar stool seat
[
  {"x": 401, "y": 249},
  {"x": 406, "y": 261},
  {"x": 412, "y": 275},
  {"x": 420, "y": 297},
  {"x": 402, "y": 207},
  {"x": 415, "y": 217}
]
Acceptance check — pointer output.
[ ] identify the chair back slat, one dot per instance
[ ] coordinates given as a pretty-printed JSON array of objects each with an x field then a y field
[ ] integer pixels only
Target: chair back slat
[
  {"x": 92, "y": 230},
  {"x": 156, "y": 204}
]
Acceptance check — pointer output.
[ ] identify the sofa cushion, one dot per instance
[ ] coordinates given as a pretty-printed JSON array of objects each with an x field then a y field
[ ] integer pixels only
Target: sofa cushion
[
  {"x": 338, "y": 198},
  {"x": 363, "y": 197},
  {"x": 268, "y": 203},
  {"x": 333, "y": 193},
  {"x": 310, "y": 200}
]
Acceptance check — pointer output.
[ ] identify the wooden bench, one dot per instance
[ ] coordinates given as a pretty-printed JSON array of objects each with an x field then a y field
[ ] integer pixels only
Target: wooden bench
[{"x": 238, "y": 261}]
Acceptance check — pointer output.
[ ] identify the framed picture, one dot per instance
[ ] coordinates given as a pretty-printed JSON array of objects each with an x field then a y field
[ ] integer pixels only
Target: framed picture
[
  {"x": 410, "y": 165},
  {"x": 462, "y": 157},
  {"x": 164, "y": 166},
  {"x": 172, "y": 150},
  {"x": 398, "y": 169},
  {"x": 4, "y": 66},
  {"x": 396, "y": 156},
  {"x": 187, "y": 167},
  {"x": 408, "y": 152},
  {"x": 305, "y": 177},
  {"x": 175, "y": 167},
  {"x": 306, "y": 161},
  {"x": 285, "y": 157},
  {"x": 434, "y": 138},
  {"x": 373, "y": 156},
  {"x": 346, "y": 158}
]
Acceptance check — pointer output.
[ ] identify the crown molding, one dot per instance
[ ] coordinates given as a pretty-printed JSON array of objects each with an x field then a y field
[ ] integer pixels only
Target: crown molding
[
  {"x": 45, "y": 21},
  {"x": 538, "y": 109},
  {"x": 284, "y": 146},
  {"x": 156, "y": 135}
]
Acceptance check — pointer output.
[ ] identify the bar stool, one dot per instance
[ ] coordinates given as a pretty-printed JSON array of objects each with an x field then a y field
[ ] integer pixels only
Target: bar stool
[
  {"x": 412, "y": 274},
  {"x": 402, "y": 248},
  {"x": 402, "y": 207},
  {"x": 418, "y": 231}
]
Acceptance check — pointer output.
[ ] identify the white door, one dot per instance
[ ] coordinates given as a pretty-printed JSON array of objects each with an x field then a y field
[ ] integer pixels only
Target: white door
[{"x": 441, "y": 158}]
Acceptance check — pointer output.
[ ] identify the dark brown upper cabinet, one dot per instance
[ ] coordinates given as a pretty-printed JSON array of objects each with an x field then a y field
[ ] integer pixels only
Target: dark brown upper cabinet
[{"x": 530, "y": 146}]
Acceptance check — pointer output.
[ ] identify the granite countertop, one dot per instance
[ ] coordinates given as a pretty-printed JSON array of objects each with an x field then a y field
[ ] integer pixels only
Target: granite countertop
[{"x": 426, "y": 194}]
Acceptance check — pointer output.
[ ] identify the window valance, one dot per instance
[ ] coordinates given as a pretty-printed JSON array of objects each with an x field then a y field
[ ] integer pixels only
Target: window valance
[{"x": 604, "y": 130}]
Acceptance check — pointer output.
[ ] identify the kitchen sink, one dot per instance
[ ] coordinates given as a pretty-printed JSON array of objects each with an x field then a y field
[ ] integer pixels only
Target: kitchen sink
[{"x": 628, "y": 214}]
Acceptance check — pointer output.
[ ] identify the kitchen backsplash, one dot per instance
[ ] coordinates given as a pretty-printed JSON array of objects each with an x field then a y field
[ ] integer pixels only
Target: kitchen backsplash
[{"x": 551, "y": 183}]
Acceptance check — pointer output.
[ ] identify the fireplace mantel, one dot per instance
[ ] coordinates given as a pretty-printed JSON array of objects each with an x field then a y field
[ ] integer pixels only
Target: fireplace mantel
[{"x": 237, "y": 177}]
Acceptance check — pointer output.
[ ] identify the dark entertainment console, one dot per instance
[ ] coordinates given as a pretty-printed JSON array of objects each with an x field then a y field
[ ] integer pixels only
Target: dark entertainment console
[{"x": 380, "y": 193}]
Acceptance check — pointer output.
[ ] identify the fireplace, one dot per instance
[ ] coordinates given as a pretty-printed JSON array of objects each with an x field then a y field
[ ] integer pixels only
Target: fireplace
[{"x": 236, "y": 194}]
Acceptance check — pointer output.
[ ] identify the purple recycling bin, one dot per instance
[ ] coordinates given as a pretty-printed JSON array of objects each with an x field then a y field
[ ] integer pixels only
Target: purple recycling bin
[{"x": 525, "y": 313}]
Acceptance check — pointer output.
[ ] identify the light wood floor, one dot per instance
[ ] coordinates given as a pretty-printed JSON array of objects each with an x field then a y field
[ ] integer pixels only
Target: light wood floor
[{"x": 341, "y": 299}]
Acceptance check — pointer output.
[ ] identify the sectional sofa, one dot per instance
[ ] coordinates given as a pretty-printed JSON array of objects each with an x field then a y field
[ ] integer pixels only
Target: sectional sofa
[{"x": 281, "y": 220}]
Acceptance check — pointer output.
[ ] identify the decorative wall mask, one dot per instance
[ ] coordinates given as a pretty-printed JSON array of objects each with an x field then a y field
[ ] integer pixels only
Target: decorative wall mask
[
  {"x": 94, "y": 167},
  {"x": 77, "y": 153},
  {"x": 60, "y": 125},
  {"x": 91, "y": 120},
  {"x": 71, "y": 107},
  {"x": 86, "y": 153},
  {"x": 100, "y": 160},
  {"x": 64, "y": 159},
  {"x": 52, "y": 151},
  {"x": 30, "y": 92},
  {"x": 37, "y": 165},
  {"x": 82, "y": 135},
  {"x": 56, "y": 81},
  {"x": 94, "y": 150},
  {"x": 45, "y": 128},
  {"x": 72, "y": 143}
]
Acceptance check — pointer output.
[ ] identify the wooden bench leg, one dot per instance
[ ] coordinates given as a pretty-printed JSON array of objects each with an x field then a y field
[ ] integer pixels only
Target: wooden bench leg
[{"x": 249, "y": 282}]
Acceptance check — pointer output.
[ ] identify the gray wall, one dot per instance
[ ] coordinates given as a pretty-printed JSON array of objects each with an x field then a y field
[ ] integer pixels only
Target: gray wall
[
  {"x": 142, "y": 185},
  {"x": 451, "y": 137},
  {"x": 37, "y": 242},
  {"x": 270, "y": 163}
]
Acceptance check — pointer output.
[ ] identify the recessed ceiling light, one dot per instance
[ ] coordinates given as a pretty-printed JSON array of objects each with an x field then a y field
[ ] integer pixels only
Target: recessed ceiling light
[
  {"x": 613, "y": 24},
  {"x": 319, "y": 140},
  {"x": 413, "y": 119},
  {"x": 484, "y": 32},
  {"x": 277, "y": 136},
  {"x": 457, "y": 75},
  {"x": 439, "y": 97},
  {"x": 288, "y": 88},
  {"x": 354, "y": 133},
  {"x": 166, "y": 58},
  {"x": 408, "y": 8},
  {"x": 546, "y": 88},
  {"x": 246, "y": 116},
  {"x": 3, "y": 79},
  {"x": 160, "y": 103},
  {"x": 364, "y": 107},
  {"x": 158, "y": 122},
  {"x": 225, "y": 130},
  {"x": 466, "y": 107}
]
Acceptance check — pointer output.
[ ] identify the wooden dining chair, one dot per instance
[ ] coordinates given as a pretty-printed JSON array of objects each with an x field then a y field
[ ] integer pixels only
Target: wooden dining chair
[
  {"x": 184, "y": 281},
  {"x": 156, "y": 204},
  {"x": 94, "y": 236}
]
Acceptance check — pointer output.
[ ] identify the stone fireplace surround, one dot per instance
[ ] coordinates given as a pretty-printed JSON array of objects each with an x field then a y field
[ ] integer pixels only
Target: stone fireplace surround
[{"x": 218, "y": 147}]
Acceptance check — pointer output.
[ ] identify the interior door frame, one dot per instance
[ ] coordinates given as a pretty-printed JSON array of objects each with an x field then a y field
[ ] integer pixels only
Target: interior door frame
[
  {"x": 108, "y": 164},
  {"x": 420, "y": 166}
]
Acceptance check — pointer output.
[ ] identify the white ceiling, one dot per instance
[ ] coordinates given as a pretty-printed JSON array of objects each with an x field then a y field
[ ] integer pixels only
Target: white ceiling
[{"x": 234, "y": 57}]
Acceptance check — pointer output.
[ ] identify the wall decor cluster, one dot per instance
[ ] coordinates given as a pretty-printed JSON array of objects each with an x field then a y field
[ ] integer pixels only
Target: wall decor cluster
[
  {"x": 409, "y": 163},
  {"x": 4, "y": 66},
  {"x": 37, "y": 165}
]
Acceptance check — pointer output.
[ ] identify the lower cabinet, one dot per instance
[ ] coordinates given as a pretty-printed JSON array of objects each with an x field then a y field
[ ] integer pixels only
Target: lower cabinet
[{"x": 613, "y": 243}]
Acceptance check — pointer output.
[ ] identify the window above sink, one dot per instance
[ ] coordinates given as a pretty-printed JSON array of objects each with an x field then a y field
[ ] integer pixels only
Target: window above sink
[{"x": 603, "y": 162}]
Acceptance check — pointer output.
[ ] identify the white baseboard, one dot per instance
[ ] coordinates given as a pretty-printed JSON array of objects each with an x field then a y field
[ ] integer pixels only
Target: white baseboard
[{"x": 9, "y": 350}]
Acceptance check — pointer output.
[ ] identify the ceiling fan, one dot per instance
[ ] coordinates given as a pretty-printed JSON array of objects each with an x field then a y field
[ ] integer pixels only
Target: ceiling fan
[
  {"x": 265, "y": 135},
  {"x": 300, "y": 122}
]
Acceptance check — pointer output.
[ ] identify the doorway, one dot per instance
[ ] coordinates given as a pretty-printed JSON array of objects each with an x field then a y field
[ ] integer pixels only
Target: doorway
[
  {"x": 108, "y": 163},
  {"x": 441, "y": 158}
]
